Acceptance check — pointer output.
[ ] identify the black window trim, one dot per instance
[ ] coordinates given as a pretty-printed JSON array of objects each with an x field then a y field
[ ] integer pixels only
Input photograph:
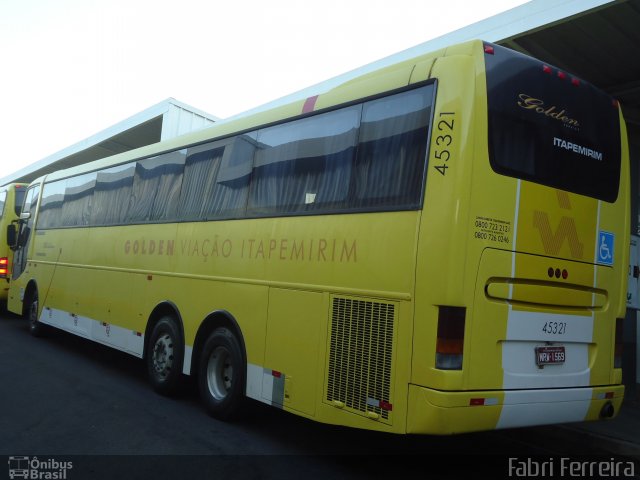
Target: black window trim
[{"x": 247, "y": 213}]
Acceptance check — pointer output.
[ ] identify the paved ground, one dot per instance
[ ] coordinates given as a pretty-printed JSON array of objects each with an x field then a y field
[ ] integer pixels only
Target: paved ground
[{"x": 63, "y": 396}]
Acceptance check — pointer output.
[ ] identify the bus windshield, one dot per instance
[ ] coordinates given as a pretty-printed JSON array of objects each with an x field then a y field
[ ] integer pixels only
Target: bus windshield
[{"x": 549, "y": 127}]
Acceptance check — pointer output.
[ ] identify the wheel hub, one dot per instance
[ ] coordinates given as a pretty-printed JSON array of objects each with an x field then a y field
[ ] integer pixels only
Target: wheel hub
[
  {"x": 163, "y": 355},
  {"x": 219, "y": 373}
]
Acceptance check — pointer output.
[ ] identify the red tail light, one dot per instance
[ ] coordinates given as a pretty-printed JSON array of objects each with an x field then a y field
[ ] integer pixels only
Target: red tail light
[
  {"x": 450, "y": 341},
  {"x": 4, "y": 267},
  {"x": 617, "y": 354}
]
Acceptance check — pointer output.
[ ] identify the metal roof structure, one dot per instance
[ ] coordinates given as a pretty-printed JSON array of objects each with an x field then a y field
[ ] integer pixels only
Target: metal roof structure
[
  {"x": 600, "y": 45},
  {"x": 162, "y": 121}
]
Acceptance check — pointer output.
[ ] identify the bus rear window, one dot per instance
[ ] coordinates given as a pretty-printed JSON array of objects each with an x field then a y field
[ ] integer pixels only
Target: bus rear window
[{"x": 550, "y": 127}]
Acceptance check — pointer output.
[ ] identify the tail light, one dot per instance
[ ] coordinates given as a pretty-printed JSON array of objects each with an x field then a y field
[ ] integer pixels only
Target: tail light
[
  {"x": 4, "y": 267},
  {"x": 450, "y": 341},
  {"x": 617, "y": 354}
]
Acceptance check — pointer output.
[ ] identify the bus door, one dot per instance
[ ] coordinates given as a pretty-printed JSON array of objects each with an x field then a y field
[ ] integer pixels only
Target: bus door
[{"x": 25, "y": 228}]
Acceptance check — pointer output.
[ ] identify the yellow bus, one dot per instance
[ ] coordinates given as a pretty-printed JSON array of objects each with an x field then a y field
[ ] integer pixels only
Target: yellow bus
[
  {"x": 440, "y": 246},
  {"x": 11, "y": 198}
]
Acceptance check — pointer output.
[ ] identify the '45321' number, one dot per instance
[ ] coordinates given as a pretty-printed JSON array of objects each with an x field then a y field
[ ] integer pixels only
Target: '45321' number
[
  {"x": 443, "y": 141},
  {"x": 554, "y": 328}
]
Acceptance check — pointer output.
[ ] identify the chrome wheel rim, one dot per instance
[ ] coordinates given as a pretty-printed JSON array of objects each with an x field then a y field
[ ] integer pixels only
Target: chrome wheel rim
[
  {"x": 219, "y": 373},
  {"x": 163, "y": 355}
]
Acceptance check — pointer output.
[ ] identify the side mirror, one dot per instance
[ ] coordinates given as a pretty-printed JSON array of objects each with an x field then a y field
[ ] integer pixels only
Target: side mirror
[{"x": 12, "y": 236}]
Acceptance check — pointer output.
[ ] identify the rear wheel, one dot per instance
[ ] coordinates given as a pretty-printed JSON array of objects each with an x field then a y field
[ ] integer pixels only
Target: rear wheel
[
  {"x": 221, "y": 375},
  {"x": 164, "y": 356}
]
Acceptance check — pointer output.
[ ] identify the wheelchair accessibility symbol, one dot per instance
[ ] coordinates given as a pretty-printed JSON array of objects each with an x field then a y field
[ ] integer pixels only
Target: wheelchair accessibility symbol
[{"x": 605, "y": 248}]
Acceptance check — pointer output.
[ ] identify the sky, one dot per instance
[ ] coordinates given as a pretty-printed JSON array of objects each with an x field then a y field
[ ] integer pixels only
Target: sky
[{"x": 72, "y": 68}]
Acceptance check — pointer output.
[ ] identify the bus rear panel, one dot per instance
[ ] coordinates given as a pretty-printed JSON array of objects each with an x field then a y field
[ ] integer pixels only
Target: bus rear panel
[{"x": 525, "y": 331}]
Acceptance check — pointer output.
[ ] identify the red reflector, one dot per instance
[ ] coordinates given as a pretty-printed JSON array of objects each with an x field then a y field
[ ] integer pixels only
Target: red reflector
[
  {"x": 386, "y": 406},
  {"x": 608, "y": 395},
  {"x": 565, "y": 274},
  {"x": 276, "y": 373},
  {"x": 476, "y": 402},
  {"x": 562, "y": 75},
  {"x": 615, "y": 103},
  {"x": 489, "y": 49},
  {"x": 575, "y": 81},
  {"x": 547, "y": 69}
]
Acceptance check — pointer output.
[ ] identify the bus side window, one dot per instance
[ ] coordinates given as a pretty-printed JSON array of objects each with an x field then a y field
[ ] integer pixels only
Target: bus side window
[
  {"x": 228, "y": 195},
  {"x": 392, "y": 150},
  {"x": 200, "y": 171},
  {"x": 111, "y": 195},
  {"x": 50, "y": 215},
  {"x": 305, "y": 164},
  {"x": 156, "y": 188},
  {"x": 216, "y": 179},
  {"x": 78, "y": 197}
]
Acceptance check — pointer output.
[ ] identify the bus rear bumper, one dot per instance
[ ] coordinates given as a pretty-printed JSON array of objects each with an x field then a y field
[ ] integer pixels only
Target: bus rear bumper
[{"x": 441, "y": 413}]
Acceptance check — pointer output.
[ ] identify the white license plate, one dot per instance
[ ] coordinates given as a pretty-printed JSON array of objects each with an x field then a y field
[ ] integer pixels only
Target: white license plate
[{"x": 550, "y": 355}]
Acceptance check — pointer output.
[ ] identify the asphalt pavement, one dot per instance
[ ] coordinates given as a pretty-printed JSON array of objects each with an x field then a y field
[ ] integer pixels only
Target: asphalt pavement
[
  {"x": 62, "y": 397},
  {"x": 619, "y": 436}
]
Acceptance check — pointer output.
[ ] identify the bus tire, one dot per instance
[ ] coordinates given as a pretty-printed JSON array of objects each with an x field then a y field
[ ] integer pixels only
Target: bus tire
[
  {"x": 165, "y": 354},
  {"x": 221, "y": 375},
  {"x": 36, "y": 328}
]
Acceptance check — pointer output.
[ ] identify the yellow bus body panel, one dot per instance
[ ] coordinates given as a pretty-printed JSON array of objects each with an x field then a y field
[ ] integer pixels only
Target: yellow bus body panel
[{"x": 303, "y": 289}]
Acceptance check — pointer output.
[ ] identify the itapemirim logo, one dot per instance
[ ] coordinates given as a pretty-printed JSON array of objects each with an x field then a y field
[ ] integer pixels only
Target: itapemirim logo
[{"x": 32, "y": 468}]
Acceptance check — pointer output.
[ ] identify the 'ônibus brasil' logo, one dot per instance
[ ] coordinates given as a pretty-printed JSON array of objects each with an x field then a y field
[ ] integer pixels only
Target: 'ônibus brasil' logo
[{"x": 538, "y": 106}]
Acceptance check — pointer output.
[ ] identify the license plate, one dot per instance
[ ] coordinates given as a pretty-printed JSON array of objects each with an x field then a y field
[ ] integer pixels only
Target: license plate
[{"x": 550, "y": 355}]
